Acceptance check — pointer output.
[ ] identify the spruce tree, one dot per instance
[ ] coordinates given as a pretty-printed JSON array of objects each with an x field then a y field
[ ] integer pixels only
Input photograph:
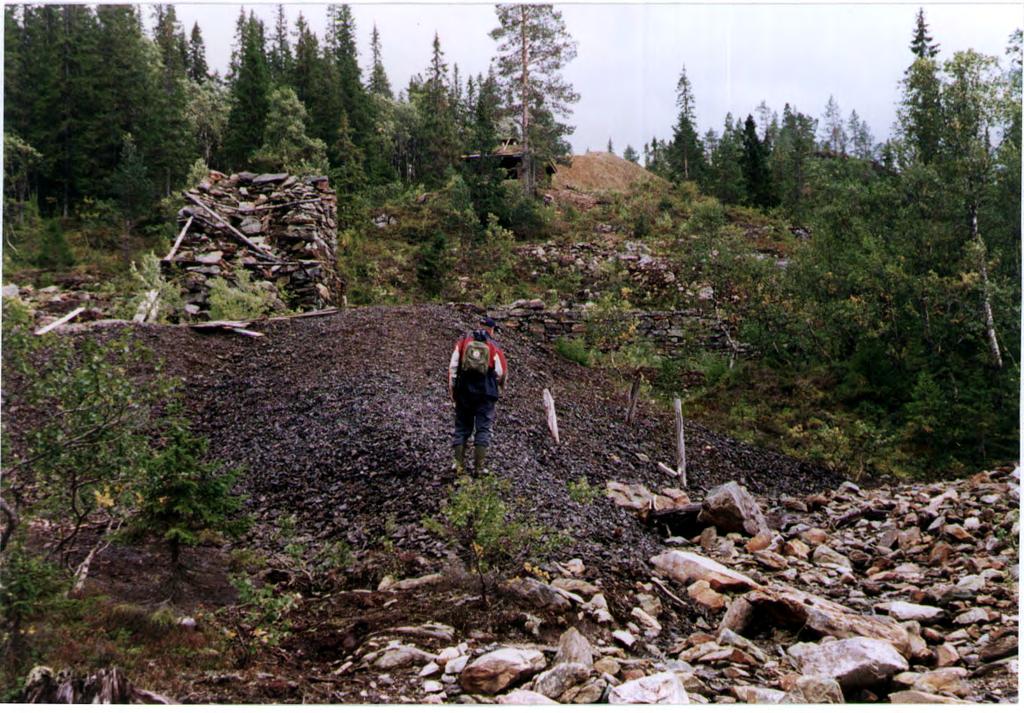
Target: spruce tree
[
  {"x": 756, "y": 175},
  {"x": 280, "y": 58},
  {"x": 834, "y": 137},
  {"x": 862, "y": 143},
  {"x": 790, "y": 159},
  {"x": 533, "y": 48},
  {"x": 379, "y": 84},
  {"x": 436, "y": 135},
  {"x": 198, "y": 70},
  {"x": 341, "y": 48},
  {"x": 630, "y": 154},
  {"x": 922, "y": 45},
  {"x": 170, "y": 146},
  {"x": 611, "y": 148},
  {"x": 250, "y": 91},
  {"x": 726, "y": 178},
  {"x": 686, "y": 155}
]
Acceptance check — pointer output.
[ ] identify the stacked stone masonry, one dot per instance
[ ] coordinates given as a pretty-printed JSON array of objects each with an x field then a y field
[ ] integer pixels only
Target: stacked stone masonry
[
  {"x": 290, "y": 240},
  {"x": 671, "y": 332}
]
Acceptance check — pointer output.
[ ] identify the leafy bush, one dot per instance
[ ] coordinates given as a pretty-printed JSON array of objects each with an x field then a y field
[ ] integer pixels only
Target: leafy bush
[
  {"x": 574, "y": 350},
  {"x": 476, "y": 519},
  {"x": 243, "y": 300}
]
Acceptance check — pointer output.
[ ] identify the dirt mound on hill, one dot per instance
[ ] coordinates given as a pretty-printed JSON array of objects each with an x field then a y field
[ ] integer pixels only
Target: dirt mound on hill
[
  {"x": 600, "y": 171},
  {"x": 329, "y": 429}
]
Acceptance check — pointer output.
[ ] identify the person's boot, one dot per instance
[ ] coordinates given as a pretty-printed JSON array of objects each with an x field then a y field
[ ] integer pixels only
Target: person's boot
[
  {"x": 459, "y": 460},
  {"x": 479, "y": 456}
]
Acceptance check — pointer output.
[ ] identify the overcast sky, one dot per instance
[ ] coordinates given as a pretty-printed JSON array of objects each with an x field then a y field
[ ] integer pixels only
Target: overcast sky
[{"x": 630, "y": 55}]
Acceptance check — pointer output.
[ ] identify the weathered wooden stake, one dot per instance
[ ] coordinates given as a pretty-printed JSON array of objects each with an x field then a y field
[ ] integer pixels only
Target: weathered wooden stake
[
  {"x": 634, "y": 396},
  {"x": 549, "y": 408},
  {"x": 677, "y": 405}
]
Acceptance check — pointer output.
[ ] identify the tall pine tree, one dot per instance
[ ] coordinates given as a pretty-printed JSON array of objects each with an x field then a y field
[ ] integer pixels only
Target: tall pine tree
[{"x": 533, "y": 48}]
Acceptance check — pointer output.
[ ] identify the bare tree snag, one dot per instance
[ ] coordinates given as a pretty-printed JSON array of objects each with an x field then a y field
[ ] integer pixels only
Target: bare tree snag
[
  {"x": 986, "y": 299},
  {"x": 677, "y": 406},
  {"x": 66, "y": 318},
  {"x": 549, "y": 408}
]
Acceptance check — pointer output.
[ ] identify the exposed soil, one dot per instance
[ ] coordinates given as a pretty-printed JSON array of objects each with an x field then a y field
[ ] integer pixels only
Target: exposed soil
[{"x": 600, "y": 171}]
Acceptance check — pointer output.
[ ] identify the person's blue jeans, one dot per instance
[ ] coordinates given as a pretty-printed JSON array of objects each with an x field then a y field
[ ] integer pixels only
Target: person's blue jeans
[{"x": 473, "y": 415}]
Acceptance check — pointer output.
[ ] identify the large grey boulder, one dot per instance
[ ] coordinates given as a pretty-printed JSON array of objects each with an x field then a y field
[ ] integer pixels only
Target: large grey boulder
[
  {"x": 730, "y": 508},
  {"x": 499, "y": 669},
  {"x": 859, "y": 662}
]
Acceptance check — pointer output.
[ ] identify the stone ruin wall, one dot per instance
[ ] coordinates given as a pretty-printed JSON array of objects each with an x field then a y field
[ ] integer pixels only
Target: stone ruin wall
[
  {"x": 672, "y": 332},
  {"x": 279, "y": 227}
]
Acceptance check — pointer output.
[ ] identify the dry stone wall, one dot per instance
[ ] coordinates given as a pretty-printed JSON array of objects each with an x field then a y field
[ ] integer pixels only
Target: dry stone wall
[
  {"x": 279, "y": 227},
  {"x": 671, "y": 332}
]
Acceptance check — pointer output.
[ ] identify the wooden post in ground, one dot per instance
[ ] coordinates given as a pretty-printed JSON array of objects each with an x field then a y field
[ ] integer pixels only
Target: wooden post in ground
[
  {"x": 634, "y": 396},
  {"x": 549, "y": 408},
  {"x": 677, "y": 405}
]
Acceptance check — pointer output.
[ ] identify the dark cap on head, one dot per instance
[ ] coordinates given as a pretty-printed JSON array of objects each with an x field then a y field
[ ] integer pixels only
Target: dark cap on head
[{"x": 488, "y": 322}]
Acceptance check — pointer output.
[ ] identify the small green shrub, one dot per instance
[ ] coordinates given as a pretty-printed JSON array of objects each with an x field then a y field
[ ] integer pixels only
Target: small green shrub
[
  {"x": 574, "y": 350},
  {"x": 243, "y": 300},
  {"x": 582, "y": 492},
  {"x": 476, "y": 519}
]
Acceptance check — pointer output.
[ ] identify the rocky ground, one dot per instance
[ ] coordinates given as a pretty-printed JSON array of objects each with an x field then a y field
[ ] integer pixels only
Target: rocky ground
[{"x": 765, "y": 580}]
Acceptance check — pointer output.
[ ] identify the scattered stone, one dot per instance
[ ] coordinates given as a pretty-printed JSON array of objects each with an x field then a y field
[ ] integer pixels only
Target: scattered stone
[
  {"x": 686, "y": 567},
  {"x": 757, "y": 694},
  {"x": 521, "y": 697},
  {"x": 401, "y": 657},
  {"x": 541, "y": 595},
  {"x": 573, "y": 647},
  {"x": 820, "y": 689},
  {"x": 972, "y": 616},
  {"x": 702, "y": 593},
  {"x": 624, "y": 637},
  {"x": 560, "y": 678},
  {"x": 907, "y": 611},
  {"x": 903, "y": 697},
  {"x": 823, "y": 554},
  {"x": 661, "y": 688},
  {"x": 855, "y": 663},
  {"x": 497, "y": 670},
  {"x": 730, "y": 508}
]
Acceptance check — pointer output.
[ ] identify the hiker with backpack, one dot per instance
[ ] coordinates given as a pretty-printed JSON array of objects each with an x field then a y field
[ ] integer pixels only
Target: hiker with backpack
[{"x": 477, "y": 372}]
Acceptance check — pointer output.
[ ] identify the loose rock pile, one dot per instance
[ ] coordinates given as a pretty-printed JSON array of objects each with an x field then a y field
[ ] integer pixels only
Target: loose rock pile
[
  {"x": 848, "y": 595},
  {"x": 281, "y": 228}
]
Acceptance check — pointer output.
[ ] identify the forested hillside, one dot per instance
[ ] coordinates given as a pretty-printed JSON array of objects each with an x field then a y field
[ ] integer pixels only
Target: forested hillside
[
  {"x": 893, "y": 329},
  {"x": 225, "y": 479}
]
